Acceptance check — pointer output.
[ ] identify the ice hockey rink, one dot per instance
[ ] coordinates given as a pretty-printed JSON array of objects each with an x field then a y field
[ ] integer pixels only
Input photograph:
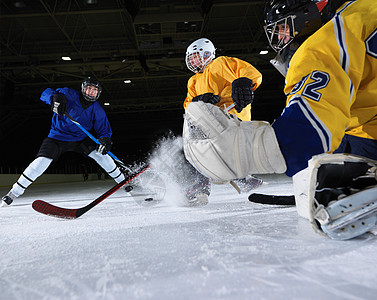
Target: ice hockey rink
[{"x": 229, "y": 249}]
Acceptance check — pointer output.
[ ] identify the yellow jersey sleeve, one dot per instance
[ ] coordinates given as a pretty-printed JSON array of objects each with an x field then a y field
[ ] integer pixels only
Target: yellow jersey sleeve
[
  {"x": 331, "y": 86},
  {"x": 217, "y": 78}
]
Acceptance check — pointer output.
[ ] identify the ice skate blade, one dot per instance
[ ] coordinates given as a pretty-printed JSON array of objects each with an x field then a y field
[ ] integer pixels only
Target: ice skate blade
[
  {"x": 351, "y": 216},
  {"x": 353, "y": 229},
  {"x": 201, "y": 199},
  {"x": 4, "y": 204},
  {"x": 247, "y": 184},
  {"x": 7, "y": 200}
]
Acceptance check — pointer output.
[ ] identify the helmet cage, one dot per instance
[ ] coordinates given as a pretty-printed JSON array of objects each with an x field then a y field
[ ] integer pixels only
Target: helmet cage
[
  {"x": 302, "y": 20},
  {"x": 199, "y": 54},
  {"x": 90, "y": 82},
  {"x": 281, "y": 33},
  {"x": 197, "y": 61}
]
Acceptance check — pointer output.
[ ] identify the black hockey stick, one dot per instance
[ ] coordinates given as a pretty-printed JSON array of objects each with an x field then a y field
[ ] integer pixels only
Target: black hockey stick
[
  {"x": 73, "y": 213},
  {"x": 272, "y": 199}
]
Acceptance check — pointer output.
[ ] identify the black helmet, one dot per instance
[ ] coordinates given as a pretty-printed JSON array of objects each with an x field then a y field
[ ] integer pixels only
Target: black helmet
[
  {"x": 286, "y": 20},
  {"x": 91, "y": 81}
]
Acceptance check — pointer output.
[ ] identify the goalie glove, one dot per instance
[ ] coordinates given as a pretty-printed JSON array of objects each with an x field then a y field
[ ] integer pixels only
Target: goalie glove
[
  {"x": 242, "y": 93},
  {"x": 338, "y": 194},
  {"x": 207, "y": 98},
  {"x": 105, "y": 146},
  {"x": 59, "y": 104},
  {"x": 223, "y": 148}
]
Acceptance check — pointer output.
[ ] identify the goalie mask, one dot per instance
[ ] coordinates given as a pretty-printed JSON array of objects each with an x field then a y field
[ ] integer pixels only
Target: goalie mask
[
  {"x": 287, "y": 20},
  {"x": 91, "y": 89},
  {"x": 199, "y": 54}
]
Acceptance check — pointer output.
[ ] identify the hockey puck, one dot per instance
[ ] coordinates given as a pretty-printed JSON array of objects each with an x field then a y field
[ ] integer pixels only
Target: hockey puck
[{"x": 148, "y": 199}]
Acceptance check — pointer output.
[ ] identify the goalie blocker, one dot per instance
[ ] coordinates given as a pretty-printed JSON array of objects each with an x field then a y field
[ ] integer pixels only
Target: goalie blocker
[{"x": 338, "y": 194}]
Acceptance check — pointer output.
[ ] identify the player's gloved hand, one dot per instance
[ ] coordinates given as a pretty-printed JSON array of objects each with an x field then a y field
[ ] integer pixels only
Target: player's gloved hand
[
  {"x": 242, "y": 93},
  {"x": 59, "y": 104},
  {"x": 207, "y": 98},
  {"x": 105, "y": 146}
]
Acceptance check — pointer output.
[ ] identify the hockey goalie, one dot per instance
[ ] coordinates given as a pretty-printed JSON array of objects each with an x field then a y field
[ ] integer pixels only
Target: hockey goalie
[{"x": 326, "y": 137}]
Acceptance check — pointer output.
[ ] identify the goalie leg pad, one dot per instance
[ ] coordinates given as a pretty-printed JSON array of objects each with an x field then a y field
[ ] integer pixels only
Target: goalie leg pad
[{"x": 223, "y": 148}]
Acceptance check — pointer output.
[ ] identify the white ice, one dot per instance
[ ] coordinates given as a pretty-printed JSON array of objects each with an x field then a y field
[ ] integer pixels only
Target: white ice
[{"x": 229, "y": 249}]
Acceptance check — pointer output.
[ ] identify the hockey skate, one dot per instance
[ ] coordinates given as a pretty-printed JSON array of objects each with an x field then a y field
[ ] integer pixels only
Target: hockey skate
[
  {"x": 248, "y": 183},
  {"x": 128, "y": 188},
  {"x": 198, "y": 192},
  {"x": 342, "y": 195},
  {"x": 8, "y": 199}
]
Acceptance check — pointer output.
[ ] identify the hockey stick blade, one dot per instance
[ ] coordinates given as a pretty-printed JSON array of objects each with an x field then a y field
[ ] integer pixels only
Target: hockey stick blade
[
  {"x": 73, "y": 213},
  {"x": 272, "y": 199}
]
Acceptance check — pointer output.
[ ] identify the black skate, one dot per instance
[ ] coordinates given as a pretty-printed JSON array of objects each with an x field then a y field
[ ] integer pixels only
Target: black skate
[
  {"x": 128, "y": 188},
  {"x": 7, "y": 199}
]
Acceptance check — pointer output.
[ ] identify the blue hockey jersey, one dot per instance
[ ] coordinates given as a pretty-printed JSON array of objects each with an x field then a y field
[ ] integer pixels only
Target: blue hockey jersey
[{"x": 91, "y": 118}]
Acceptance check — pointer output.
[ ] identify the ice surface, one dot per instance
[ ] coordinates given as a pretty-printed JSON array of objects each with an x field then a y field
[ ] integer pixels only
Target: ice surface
[{"x": 229, "y": 249}]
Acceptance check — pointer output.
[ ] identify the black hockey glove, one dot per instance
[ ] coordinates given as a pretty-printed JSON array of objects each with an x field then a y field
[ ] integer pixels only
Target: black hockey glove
[
  {"x": 242, "y": 93},
  {"x": 207, "y": 98},
  {"x": 105, "y": 146},
  {"x": 59, "y": 104}
]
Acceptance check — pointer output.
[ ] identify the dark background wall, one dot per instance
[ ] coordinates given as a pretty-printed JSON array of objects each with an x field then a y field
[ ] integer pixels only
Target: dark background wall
[{"x": 114, "y": 40}]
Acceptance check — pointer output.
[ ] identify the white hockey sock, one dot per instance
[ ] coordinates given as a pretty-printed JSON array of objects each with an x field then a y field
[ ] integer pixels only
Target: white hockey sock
[
  {"x": 107, "y": 163},
  {"x": 32, "y": 172}
]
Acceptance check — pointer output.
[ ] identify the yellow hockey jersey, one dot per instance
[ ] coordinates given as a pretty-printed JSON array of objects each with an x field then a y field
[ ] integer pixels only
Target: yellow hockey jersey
[
  {"x": 217, "y": 78},
  {"x": 331, "y": 85}
]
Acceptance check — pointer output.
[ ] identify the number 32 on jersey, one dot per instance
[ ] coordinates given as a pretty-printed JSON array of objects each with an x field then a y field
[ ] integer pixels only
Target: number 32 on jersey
[{"x": 311, "y": 90}]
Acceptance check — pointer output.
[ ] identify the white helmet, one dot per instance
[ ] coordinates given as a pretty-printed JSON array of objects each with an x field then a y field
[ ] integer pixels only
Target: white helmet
[{"x": 199, "y": 54}]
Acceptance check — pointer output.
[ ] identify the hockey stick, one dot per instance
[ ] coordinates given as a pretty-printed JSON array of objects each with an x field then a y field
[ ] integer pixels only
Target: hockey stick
[
  {"x": 73, "y": 213},
  {"x": 97, "y": 142},
  {"x": 272, "y": 199},
  {"x": 117, "y": 160},
  {"x": 229, "y": 108}
]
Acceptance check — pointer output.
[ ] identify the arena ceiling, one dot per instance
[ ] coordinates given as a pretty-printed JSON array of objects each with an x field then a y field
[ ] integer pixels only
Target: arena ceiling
[{"x": 143, "y": 41}]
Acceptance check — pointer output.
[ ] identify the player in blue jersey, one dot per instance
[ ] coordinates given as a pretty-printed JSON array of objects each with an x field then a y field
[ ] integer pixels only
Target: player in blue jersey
[
  {"x": 66, "y": 136},
  {"x": 328, "y": 52}
]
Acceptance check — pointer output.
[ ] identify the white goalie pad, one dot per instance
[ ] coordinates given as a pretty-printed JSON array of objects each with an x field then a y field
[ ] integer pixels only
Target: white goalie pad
[
  {"x": 339, "y": 193},
  {"x": 301, "y": 191},
  {"x": 223, "y": 148}
]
